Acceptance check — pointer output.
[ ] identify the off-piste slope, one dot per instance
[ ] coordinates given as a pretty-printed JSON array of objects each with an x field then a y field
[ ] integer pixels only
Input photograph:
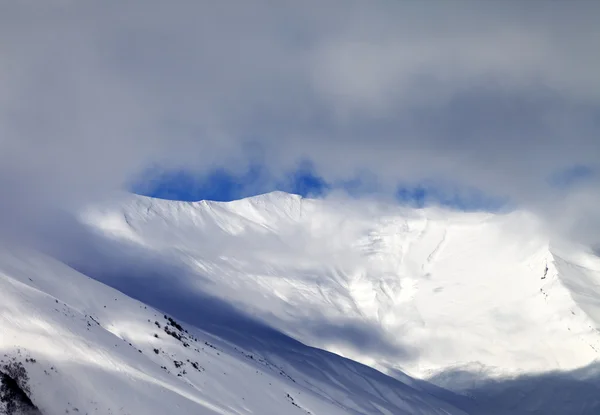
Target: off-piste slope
[
  {"x": 89, "y": 349},
  {"x": 427, "y": 291}
]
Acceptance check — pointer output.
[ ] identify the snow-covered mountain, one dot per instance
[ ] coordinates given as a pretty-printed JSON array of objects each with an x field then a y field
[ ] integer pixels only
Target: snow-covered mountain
[
  {"x": 466, "y": 312},
  {"x": 90, "y": 349}
]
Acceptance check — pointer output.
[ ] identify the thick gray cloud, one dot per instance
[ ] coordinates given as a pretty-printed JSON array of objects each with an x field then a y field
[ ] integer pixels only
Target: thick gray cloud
[{"x": 495, "y": 95}]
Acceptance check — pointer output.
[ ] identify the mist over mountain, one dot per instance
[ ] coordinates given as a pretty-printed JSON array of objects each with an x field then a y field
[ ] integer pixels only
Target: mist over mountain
[
  {"x": 373, "y": 208},
  {"x": 458, "y": 312}
]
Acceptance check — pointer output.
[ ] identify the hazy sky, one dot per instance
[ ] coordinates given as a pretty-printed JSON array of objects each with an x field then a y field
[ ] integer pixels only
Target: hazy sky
[{"x": 499, "y": 96}]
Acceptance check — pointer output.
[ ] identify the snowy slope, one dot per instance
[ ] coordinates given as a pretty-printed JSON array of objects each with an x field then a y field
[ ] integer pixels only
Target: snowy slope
[
  {"x": 481, "y": 304},
  {"x": 429, "y": 292},
  {"x": 90, "y": 349}
]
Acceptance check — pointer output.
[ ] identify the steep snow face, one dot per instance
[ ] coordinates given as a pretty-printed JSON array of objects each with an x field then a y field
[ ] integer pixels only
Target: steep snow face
[
  {"x": 89, "y": 349},
  {"x": 424, "y": 291}
]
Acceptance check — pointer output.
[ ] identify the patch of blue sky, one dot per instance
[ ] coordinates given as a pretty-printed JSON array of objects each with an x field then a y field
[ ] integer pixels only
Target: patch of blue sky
[
  {"x": 452, "y": 196},
  {"x": 222, "y": 185}
]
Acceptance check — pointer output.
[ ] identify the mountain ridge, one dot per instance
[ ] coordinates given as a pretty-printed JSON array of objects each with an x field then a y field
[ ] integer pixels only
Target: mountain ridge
[
  {"x": 460, "y": 308},
  {"x": 367, "y": 261}
]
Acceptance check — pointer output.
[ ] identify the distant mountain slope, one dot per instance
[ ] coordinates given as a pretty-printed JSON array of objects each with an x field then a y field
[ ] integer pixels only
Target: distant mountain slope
[
  {"x": 490, "y": 310},
  {"x": 89, "y": 349},
  {"x": 425, "y": 291}
]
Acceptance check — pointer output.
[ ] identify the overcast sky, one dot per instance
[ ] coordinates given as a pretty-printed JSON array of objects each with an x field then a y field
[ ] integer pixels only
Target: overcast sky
[{"x": 499, "y": 96}]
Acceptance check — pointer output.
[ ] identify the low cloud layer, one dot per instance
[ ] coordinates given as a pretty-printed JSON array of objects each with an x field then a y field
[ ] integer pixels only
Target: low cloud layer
[{"x": 499, "y": 96}]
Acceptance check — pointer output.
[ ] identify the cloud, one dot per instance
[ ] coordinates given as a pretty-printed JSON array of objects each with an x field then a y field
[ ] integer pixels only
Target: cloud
[
  {"x": 494, "y": 96},
  {"x": 572, "y": 391}
]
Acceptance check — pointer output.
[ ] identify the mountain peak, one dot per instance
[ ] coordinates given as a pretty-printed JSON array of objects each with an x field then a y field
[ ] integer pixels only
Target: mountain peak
[{"x": 457, "y": 298}]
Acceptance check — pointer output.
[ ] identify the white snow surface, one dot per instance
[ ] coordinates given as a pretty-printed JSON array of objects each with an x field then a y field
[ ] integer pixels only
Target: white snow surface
[
  {"x": 477, "y": 303},
  {"x": 435, "y": 289},
  {"x": 97, "y": 351}
]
